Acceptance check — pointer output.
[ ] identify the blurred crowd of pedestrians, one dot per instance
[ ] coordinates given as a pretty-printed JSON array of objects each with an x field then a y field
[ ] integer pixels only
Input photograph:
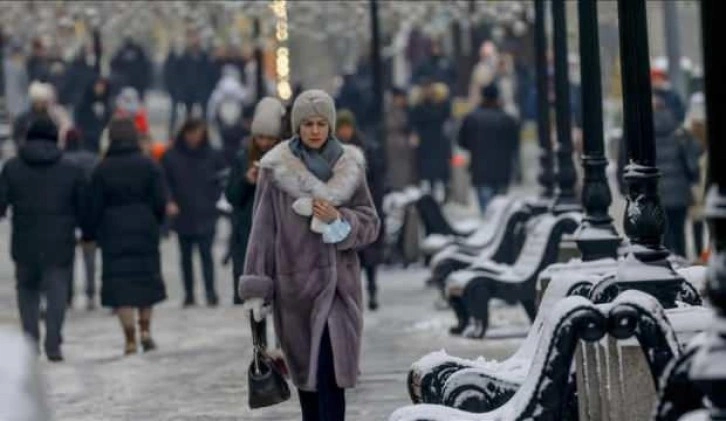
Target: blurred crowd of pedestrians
[{"x": 88, "y": 172}]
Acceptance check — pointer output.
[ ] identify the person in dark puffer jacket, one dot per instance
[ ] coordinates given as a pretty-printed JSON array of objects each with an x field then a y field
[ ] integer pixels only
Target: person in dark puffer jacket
[
  {"x": 126, "y": 210},
  {"x": 677, "y": 156},
  {"x": 46, "y": 194},
  {"x": 194, "y": 175}
]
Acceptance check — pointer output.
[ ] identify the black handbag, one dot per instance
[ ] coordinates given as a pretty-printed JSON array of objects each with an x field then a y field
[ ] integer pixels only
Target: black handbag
[{"x": 266, "y": 383}]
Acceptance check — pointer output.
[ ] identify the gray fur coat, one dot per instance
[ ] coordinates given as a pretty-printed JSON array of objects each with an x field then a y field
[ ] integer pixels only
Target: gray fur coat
[{"x": 310, "y": 283}]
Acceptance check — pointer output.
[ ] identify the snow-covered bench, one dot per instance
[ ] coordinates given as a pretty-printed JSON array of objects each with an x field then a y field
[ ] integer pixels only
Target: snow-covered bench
[
  {"x": 547, "y": 390},
  {"x": 542, "y": 391},
  {"x": 499, "y": 239},
  {"x": 480, "y": 385},
  {"x": 475, "y": 286},
  {"x": 428, "y": 377}
]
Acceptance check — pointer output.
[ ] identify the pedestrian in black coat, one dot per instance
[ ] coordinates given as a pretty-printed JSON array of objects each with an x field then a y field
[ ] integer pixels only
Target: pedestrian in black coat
[
  {"x": 93, "y": 112},
  {"x": 678, "y": 161},
  {"x": 491, "y": 136},
  {"x": 195, "y": 72},
  {"x": 371, "y": 256},
  {"x": 126, "y": 210},
  {"x": 427, "y": 120},
  {"x": 46, "y": 194},
  {"x": 131, "y": 67},
  {"x": 194, "y": 175}
]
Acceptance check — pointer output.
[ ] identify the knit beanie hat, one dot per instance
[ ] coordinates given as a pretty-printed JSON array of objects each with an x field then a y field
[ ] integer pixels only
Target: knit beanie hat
[
  {"x": 42, "y": 128},
  {"x": 267, "y": 120},
  {"x": 311, "y": 103},
  {"x": 345, "y": 118}
]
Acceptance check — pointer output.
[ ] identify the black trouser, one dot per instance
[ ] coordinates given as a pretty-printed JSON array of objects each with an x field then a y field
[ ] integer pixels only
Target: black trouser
[
  {"x": 237, "y": 269},
  {"x": 328, "y": 402},
  {"x": 675, "y": 235},
  {"x": 204, "y": 244},
  {"x": 698, "y": 228},
  {"x": 371, "y": 272},
  {"x": 53, "y": 282}
]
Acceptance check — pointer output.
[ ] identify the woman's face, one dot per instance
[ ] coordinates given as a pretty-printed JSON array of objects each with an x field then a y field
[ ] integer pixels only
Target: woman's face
[
  {"x": 194, "y": 137},
  {"x": 265, "y": 143},
  {"x": 344, "y": 132},
  {"x": 99, "y": 88},
  {"x": 314, "y": 132}
]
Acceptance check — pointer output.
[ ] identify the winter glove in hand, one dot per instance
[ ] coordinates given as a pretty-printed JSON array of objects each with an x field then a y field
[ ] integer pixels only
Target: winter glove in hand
[
  {"x": 304, "y": 207},
  {"x": 259, "y": 308}
]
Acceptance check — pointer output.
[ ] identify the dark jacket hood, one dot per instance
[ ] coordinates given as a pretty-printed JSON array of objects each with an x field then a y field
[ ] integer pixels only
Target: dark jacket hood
[
  {"x": 40, "y": 152},
  {"x": 181, "y": 146},
  {"x": 664, "y": 124},
  {"x": 120, "y": 148}
]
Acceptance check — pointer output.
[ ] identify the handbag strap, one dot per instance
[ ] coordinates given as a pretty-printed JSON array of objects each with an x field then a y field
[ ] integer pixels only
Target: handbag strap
[{"x": 259, "y": 332}]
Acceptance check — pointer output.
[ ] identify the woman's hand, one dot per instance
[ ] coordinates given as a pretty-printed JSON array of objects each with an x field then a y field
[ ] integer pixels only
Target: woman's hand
[
  {"x": 252, "y": 173},
  {"x": 324, "y": 211}
]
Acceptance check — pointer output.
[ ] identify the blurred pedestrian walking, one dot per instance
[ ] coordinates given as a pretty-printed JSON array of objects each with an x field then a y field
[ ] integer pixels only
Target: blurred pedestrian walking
[
  {"x": 42, "y": 103},
  {"x": 130, "y": 105},
  {"x": 46, "y": 194},
  {"x": 371, "y": 256},
  {"x": 16, "y": 80},
  {"x": 93, "y": 112},
  {"x": 194, "y": 176},
  {"x": 86, "y": 160},
  {"x": 130, "y": 66},
  {"x": 428, "y": 117},
  {"x": 126, "y": 209},
  {"x": 696, "y": 127},
  {"x": 491, "y": 136},
  {"x": 400, "y": 151},
  {"x": 484, "y": 72},
  {"x": 226, "y": 111},
  {"x": 194, "y": 85},
  {"x": 241, "y": 187},
  {"x": 678, "y": 161}
]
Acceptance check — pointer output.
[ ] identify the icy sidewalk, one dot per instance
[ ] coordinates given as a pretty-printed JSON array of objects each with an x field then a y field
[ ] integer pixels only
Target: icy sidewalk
[{"x": 199, "y": 372}]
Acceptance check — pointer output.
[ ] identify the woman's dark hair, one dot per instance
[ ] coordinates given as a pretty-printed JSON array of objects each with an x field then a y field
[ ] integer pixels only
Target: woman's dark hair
[
  {"x": 122, "y": 131},
  {"x": 190, "y": 125}
]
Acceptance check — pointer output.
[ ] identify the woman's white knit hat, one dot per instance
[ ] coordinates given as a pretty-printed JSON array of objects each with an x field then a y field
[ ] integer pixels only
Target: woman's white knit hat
[{"x": 267, "y": 120}]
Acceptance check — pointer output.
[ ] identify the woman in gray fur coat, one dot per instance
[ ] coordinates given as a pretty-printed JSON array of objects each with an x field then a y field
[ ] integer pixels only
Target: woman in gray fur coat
[{"x": 312, "y": 212}]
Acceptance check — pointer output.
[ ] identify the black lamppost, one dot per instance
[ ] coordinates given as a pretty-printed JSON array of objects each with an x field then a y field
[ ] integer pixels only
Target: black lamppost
[
  {"x": 565, "y": 200},
  {"x": 596, "y": 237},
  {"x": 377, "y": 65},
  {"x": 709, "y": 364},
  {"x": 646, "y": 267},
  {"x": 546, "y": 173}
]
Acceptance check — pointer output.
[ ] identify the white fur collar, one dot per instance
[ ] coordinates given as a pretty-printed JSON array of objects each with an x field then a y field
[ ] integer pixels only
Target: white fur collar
[{"x": 291, "y": 175}]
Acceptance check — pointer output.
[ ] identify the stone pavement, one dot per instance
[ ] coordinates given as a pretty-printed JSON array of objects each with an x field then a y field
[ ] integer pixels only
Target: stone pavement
[{"x": 199, "y": 371}]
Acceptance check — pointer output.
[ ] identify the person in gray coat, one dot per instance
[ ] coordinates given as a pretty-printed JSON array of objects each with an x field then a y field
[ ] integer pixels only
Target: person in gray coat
[{"x": 312, "y": 212}]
